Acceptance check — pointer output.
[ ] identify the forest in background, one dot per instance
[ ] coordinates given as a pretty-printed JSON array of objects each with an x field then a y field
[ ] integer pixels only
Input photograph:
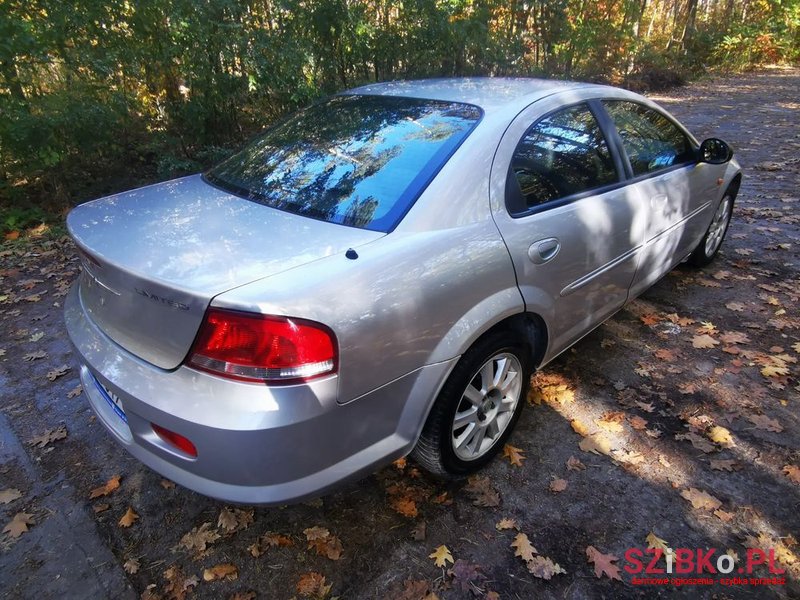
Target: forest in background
[{"x": 97, "y": 96}]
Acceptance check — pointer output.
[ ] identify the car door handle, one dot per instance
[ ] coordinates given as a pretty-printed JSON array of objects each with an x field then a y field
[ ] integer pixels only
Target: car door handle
[{"x": 544, "y": 250}]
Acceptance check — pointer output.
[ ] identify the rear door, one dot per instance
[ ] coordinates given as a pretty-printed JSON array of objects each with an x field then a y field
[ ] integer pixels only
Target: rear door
[{"x": 572, "y": 227}]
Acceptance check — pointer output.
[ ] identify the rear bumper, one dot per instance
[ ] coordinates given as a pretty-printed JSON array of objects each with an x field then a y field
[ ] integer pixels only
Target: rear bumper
[{"x": 255, "y": 444}]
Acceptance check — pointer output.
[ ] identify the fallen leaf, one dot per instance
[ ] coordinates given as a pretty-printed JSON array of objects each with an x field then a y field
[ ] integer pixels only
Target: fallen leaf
[
  {"x": 31, "y": 356},
  {"x": 774, "y": 371},
  {"x": 482, "y": 492},
  {"x": 697, "y": 441},
  {"x": 544, "y": 568},
  {"x": 595, "y": 443},
  {"x": 466, "y": 576},
  {"x": 650, "y": 319},
  {"x": 734, "y": 337},
  {"x": 199, "y": 538},
  {"x": 419, "y": 532},
  {"x": 131, "y": 566},
  {"x": 312, "y": 585},
  {"x": 19, "y": 524},
  {"x": 99, "y": 508},
  {"x": 723, "y": 465},
  {"x": 75, "y": 392},
  {"x": 128, "y": 518},
  {"x": 413, "y": 590},
  {"x": 765, "y": 423},
  {"x": 700, "y": 499},
  {"x": 638, "y": 423},
  {"x": 506, "y": 523},
  {"x": 225, "y": 571},
  {"x": 167, "y": 484},
  {"x": 721, "y": 436},
  {"x": 104, "y": 490},
  {"x": 735, "y": 306},
  {"x": 653, "y": 541},
  {"x": 178, "y": 583},
  {"x": 558, "y": 485},
  {"x": 441, "y": 556},
  {"x": 404, "y": 505},
  {"x": 514, "y": 455},
  {"x": 724, "y": 515},
  {"x": 603, "y": 563},
  {"x": 9, "y": 495},
  {"x": 792, "y": 472},
  {"x": 54, "y": 374},
  {"x": 523, "y": 547},
  {"x": 612, "y": 421},
  {"x": 665, "y": 355},
  {"x": 234, "y": 519},
  {"x": 574, "y": 464},
  {"x": 704, "y": 341},
  {"x": 796, "y": 347},
  {"x": 49, "y": 436},
  {"x": 325, "y": 544}
]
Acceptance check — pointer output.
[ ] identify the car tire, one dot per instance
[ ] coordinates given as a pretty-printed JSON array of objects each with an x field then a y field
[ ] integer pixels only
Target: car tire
[
  {"x": 487, "y": 400},
  {"x": 712, "y": 240}
]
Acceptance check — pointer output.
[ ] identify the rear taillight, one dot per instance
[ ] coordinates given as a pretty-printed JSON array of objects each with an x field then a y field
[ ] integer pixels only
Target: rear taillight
[{"x": 253, "y": 347}]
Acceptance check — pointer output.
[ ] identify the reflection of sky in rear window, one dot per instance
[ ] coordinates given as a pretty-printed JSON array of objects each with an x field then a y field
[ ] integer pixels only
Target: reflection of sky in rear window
[{"x": 356, "y": 160}]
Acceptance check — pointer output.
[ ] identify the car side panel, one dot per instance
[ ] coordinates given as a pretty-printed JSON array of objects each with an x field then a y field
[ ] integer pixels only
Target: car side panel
[{"x": 408, "y": 300}]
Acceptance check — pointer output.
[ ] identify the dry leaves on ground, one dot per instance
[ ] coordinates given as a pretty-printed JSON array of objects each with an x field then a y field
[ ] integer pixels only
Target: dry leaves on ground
[
  {"x": 9, "y": 495},
  {"x": 603, "y": 563},
  {"x": 224, "y": 571},
  {"x": 701, "y": 499},
  {"x": 313, "y": 585},
  {"x": 441, "y": 556},
  {"x": 54, "y": 374},
  {"x": 49, "y": 436},
  {"x": 105, "y": 489},
  {"x": 199, "y": 538},
  {"x": 539, "y": 566},
  {"x": 325, "y": 544},
  {"x": 236, "y": 519},
  {"x": 129, "y": 518},
  {"x": 514, "y": 455},
  {"x": 482, "y": 492},
  {"x": 19, "y": 524}
]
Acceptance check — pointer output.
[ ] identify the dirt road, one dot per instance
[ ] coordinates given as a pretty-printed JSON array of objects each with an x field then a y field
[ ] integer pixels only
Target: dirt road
[{"x": 688, "y": 397}]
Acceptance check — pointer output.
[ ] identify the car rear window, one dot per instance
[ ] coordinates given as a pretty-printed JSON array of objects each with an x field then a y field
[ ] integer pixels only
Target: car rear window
[{"x": 357, "y": 160}]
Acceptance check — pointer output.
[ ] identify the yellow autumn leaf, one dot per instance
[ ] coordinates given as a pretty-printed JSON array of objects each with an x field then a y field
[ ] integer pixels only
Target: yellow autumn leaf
[{"x": 441, "y": 556}]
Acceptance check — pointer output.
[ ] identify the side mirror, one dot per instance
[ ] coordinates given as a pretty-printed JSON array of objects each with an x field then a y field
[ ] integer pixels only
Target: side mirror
[{"x": 714, "y": 151}]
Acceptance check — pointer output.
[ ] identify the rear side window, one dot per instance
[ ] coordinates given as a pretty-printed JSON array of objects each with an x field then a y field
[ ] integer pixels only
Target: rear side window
[
  {"x": 561, "y": 155},
  {"x": 356, "y": 160},
  {"x": 651, "y": 141}
]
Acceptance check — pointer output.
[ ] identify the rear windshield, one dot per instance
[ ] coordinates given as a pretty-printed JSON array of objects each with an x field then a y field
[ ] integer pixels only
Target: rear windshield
[{"x": 356, "y": 160}]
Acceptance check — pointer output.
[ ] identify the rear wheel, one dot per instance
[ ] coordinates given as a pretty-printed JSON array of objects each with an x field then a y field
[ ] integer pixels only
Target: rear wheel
[
  {"x": 709, "y": 246},
  {"x": 477, "y": 408}
]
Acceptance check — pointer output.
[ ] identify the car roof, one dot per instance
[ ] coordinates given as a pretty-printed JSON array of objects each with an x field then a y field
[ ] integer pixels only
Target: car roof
[{"x": 489, "y": 93}]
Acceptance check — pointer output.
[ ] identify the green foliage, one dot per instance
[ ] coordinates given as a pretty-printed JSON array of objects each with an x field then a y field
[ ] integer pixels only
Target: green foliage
[{"x": 100, "y": 95}]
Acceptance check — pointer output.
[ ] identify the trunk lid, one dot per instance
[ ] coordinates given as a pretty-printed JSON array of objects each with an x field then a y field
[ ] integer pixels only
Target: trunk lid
[{"x": 153, "y": 258}]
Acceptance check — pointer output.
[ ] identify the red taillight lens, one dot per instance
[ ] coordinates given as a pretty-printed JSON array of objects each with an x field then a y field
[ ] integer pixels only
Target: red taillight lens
[
  {"x": 255, "y": 347},
  {"x": 175, "y": 439}
]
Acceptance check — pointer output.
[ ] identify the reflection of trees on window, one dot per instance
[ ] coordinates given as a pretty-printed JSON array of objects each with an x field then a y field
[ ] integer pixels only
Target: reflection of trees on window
[
  {"x": 561, "y": 155},
  {"x": 651, "y": 141},
  {"x": 354, "y": 160}
]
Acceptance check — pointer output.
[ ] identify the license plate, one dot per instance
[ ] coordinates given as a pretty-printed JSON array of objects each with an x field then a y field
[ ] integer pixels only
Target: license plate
[{"x": 114, "y": 401}]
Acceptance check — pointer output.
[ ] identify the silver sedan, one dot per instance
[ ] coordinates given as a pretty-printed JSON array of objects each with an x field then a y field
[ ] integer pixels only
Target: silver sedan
[{"x": 379, "y": 275}]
